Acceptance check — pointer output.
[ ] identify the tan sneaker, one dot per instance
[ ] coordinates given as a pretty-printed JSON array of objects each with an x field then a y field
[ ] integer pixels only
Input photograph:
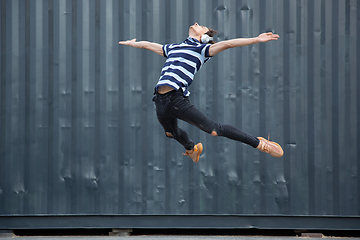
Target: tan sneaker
[
  {"x": 273, "y": 148},
  {"x": 194, "y": 154}
]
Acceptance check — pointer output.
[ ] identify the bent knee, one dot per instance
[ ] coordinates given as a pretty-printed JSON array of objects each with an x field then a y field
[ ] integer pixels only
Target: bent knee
[{"x": 213, "y": 133}]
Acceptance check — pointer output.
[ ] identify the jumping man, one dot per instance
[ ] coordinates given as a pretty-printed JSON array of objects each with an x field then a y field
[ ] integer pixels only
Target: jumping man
[{"x": 184, "y": 60}]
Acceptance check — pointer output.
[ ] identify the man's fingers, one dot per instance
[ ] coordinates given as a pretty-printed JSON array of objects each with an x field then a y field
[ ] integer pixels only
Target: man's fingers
[
  {"x": 128, "y": 42},
  {"x": 272, "y": 34}
]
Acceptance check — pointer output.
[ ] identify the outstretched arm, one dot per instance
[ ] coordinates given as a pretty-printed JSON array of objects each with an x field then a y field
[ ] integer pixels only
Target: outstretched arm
[
  {"x": 155, "y": 47},
  {"x": 240, "y": 42}
]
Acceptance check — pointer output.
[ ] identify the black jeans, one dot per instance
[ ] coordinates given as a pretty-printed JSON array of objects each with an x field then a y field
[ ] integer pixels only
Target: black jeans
[{"x": 174, "y": 105}]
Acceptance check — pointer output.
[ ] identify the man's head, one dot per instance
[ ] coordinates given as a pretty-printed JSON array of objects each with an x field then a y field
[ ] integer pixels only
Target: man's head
[{"x": 196, "y": 31}]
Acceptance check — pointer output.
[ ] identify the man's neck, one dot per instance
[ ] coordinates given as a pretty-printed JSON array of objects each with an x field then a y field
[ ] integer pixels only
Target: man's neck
[{"x": 195, "y": 37}]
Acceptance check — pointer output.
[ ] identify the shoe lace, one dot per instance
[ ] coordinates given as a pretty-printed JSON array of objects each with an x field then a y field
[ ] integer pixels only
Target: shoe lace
[
  {"x": 189, "y": 152},
  {"x": 265, "y": 146}
]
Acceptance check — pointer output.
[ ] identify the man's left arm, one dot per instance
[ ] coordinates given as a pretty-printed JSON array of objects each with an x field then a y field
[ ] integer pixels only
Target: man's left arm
[{"x": 240, "y": 42}]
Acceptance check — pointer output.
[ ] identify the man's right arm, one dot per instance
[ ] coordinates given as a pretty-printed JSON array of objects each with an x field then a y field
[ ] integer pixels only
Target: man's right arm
[{"x": 155, "y": 47}]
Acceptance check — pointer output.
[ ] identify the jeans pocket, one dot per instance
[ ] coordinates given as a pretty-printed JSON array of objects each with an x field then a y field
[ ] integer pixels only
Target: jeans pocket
[{"x": 179, "y": 105}]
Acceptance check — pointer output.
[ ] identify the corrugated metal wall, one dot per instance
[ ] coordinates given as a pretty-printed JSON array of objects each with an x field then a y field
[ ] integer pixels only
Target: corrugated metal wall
[{"x": 78, "y": 129}]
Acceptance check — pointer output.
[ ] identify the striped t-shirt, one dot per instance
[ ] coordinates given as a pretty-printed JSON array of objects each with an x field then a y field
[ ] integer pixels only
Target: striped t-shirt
[{"x": 183, "y": 61}]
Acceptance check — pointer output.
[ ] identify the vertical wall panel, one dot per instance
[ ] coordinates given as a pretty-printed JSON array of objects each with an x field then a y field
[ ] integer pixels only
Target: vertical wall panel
[
  {"x": 78, "y": 129},
  {"x": 357, "y": 89}
]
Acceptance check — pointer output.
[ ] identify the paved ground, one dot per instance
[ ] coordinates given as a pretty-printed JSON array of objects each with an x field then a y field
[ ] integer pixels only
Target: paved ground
[
  {"x": 94, "y": 234},
  {"x": 163, "y": 238}
]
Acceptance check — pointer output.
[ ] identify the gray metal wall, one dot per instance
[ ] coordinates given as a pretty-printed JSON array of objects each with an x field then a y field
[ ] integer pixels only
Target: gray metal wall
[{"x": 78, "y": 129}]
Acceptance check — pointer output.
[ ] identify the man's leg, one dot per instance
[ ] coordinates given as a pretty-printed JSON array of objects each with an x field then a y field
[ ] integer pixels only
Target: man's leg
[
  {"x": 172, "y": 130},
  {"x": 189, "y": 113},
  {"x": 170, "y": 125}
]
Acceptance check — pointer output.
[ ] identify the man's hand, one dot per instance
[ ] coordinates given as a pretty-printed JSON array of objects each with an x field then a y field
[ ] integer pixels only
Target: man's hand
[
  {"x": 265, "y": 37},
  {"x": 131, "y": 43},
  {"x": 155, "y": 47}
]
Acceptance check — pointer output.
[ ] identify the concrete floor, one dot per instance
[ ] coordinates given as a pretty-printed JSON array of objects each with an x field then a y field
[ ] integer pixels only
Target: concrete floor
[
  {"x": 178, "y": 234},
  {"x": 161, "y": 238}
]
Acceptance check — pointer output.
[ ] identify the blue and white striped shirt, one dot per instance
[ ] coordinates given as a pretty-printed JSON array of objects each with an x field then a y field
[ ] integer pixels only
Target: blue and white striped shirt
[{"x": 183, "y": 61}]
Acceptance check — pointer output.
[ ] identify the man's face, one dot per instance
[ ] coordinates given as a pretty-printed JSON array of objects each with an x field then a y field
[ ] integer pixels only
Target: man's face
[{"x": 197, "y": 30}]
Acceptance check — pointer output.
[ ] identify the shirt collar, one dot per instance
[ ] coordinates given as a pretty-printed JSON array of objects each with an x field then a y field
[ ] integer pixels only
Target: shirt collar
[{"x": 193, "y": 40}]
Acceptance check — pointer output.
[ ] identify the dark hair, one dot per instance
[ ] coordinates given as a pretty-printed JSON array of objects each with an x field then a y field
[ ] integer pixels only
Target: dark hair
[{"x": 211, "y": 33}]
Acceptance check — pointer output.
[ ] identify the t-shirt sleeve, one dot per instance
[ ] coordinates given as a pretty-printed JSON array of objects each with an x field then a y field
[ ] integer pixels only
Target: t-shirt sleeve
[
  {"x": 205, "y": 50},
  {"x": 165, "y": 50}
]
